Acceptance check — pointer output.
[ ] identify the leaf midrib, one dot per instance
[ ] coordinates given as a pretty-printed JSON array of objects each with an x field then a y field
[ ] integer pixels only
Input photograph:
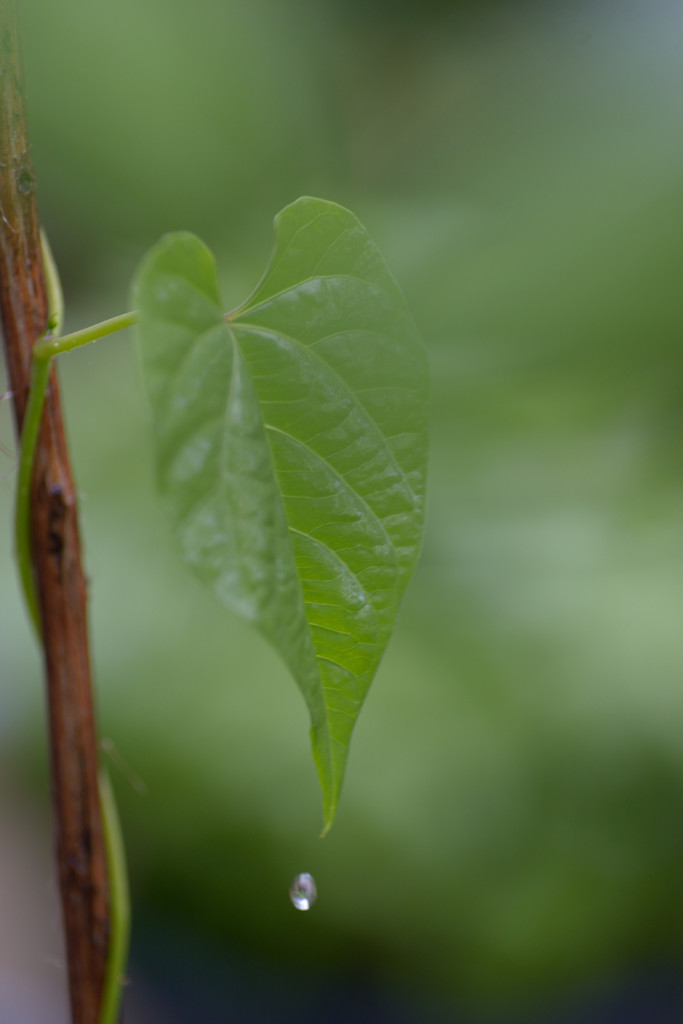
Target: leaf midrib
[{"x": 326, "y": 721}]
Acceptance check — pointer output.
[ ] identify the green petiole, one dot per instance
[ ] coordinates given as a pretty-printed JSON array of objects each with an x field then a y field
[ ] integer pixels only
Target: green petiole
[{"x": 50, "y": 346}]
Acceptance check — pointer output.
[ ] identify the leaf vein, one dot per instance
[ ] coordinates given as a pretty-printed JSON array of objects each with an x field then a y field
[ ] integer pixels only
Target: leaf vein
[
  {"x": 377, "y": 430},
  {"x": 345, "y": 483}
]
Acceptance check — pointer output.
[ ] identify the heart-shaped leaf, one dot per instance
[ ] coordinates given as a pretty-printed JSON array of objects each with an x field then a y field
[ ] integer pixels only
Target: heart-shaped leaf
[{"x": 291, "y": 442}]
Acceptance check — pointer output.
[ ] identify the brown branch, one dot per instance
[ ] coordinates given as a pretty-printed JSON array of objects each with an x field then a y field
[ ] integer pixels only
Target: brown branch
[{"x": 56, "y": 556}]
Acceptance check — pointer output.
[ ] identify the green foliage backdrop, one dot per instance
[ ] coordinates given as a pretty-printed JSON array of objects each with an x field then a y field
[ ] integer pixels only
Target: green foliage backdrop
[{"x": 510, "y": 817}]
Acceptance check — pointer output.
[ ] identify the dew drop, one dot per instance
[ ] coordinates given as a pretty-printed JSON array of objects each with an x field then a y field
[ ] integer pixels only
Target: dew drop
[{"x": 302, "y": 891}]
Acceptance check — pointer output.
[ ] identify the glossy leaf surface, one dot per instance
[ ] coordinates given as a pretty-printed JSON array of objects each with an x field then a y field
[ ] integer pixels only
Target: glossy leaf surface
[{"x": 291, "y": 442}]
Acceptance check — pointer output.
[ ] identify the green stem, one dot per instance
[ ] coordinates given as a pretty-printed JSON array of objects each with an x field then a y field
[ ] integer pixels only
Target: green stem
[
  {"x": 40, "y": 376},
  {"x": 119, "y": 911},
  {"x": 119, "y": 903},
  {"x": 43, "y": 352}
]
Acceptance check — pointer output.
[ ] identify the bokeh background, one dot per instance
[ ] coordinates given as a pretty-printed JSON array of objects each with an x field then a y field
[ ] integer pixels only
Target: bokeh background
[{"x": 509, "y": 841}]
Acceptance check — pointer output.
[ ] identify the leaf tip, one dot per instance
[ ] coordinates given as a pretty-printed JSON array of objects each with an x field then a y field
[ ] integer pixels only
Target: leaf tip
[
  {"x": 330, "y": 776},
  {"x": 329, "y": 813}
]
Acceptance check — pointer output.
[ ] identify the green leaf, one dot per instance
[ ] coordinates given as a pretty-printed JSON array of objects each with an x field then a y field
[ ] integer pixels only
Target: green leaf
[{"x": 291, "y": 441}]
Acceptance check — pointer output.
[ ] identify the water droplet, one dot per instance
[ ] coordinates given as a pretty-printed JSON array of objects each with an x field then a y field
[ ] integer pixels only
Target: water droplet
[{"x": 302, "y": 891}]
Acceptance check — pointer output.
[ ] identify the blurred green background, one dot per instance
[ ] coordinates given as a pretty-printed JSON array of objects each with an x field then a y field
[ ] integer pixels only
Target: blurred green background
[{"x": 509, "y": 838}]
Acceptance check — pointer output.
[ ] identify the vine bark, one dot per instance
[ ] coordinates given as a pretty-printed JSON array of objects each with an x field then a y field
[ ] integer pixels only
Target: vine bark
[{"x": 57, "y": 559}]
